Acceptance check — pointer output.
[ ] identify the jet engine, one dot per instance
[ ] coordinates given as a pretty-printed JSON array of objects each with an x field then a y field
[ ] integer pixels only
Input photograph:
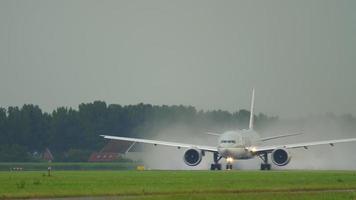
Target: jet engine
[
  {"x": 192, "y": 157},
  {"x": 280, "y": 157}
]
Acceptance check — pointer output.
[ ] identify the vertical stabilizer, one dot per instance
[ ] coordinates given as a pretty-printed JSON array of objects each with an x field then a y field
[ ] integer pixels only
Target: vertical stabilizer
[{"x": 251, "y": 110}]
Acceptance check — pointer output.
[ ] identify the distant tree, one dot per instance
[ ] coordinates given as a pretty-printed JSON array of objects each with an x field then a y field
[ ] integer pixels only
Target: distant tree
[
  {"x": 3, "y": 129},
  {"x": 13, "y": 153},
  {"x": 71, "y": 134},
  {"x": 243, "y": 118},
  {"x": 76, "y": 155}
]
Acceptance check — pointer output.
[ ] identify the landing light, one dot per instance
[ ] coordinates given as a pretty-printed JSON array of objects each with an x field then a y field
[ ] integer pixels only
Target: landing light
[
  {"x": 229, "y": 160},
  {"x": 253, "y": 149}
]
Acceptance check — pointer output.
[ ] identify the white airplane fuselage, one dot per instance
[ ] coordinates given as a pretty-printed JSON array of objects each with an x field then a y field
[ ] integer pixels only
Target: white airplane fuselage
[{"x": 234, "y": 144}]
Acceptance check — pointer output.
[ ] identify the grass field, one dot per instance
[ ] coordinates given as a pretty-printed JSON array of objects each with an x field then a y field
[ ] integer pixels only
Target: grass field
[
  {"x": 181, "y": 184},
  {"x": 41, "y": 166}
]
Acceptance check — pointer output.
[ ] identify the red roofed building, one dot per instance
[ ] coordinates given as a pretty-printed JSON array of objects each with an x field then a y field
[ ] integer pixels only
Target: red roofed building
[
  {"x": 47, "y": 155},
  {"x": 111, "y": 152},
  {"x": 103, "y": 157}
]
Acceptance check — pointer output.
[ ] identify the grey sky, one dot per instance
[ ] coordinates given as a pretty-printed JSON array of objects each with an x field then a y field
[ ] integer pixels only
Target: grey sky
[{"x": 299, "y": 55}]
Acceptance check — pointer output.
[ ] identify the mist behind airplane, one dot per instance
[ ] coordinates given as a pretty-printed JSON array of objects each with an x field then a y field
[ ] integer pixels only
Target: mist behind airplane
[{"x": 237, "y": 145}]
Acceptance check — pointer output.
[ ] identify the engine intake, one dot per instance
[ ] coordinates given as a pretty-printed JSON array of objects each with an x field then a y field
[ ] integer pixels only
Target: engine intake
[
  {"x": 280, "y": 157},
  {"x": 193, "y": 157}
]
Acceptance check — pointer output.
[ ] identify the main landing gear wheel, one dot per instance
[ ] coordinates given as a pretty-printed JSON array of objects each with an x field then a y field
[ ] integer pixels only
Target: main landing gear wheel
[
  {"x": 265, "y": 165},
  {"x": 216, "y": 165}
]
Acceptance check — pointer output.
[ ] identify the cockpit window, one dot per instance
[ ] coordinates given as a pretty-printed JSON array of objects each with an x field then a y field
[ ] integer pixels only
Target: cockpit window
[{"x": 228, "y": 141}]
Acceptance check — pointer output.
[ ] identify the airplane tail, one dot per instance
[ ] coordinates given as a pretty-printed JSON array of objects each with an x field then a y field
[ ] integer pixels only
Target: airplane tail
[{"x": 251, "y": 110}]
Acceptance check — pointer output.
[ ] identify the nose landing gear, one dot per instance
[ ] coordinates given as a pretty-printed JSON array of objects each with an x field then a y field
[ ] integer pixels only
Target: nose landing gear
[
  {"x": 229, "y": 161},
  {"x": 216, "y": 165},
  {"x": 229, "y": 166}
]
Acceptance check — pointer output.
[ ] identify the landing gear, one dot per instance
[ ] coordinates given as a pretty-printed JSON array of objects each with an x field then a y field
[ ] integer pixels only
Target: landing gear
[
  {"x": 229, "y": 166},
  {"x": 216, "y": 165},
  {"x": 265, "y": 165},
  {"x": 229, "y": 161}
]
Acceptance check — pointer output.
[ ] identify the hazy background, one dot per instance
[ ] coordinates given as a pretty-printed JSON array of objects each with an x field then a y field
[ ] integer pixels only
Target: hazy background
[
  {"x": 326, "y": 127},
  {"x": 299, "y": 55}
]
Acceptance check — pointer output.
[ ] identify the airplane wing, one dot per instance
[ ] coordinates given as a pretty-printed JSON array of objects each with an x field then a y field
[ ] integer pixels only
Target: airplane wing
[
  {"x": 300, "y": 145},
  {"x": 280, "y": 136},
  {"x": 164, "y": 143}
]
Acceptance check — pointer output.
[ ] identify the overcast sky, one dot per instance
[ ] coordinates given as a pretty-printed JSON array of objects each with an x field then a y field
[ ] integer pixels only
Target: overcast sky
[{"x": 299, "y": 55}]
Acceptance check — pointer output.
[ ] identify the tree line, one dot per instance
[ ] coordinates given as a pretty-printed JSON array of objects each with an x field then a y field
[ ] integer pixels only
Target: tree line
[{"x": 72, "y": 134}]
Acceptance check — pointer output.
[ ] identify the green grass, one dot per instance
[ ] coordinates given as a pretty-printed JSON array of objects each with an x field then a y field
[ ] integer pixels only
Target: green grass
[
  {"x": 181, "y": 184},
  {"x": 257, "y": 196},
  {"x": 41, "y": 166}
]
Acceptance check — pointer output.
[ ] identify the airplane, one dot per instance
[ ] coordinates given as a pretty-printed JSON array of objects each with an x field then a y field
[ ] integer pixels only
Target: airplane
[{"x": 237, "y": 145}]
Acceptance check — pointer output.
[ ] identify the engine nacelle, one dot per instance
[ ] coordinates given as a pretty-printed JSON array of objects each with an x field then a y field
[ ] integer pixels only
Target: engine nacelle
[
  {"x": 280, "y": 157},
  {"x": 192, "y": 157}
]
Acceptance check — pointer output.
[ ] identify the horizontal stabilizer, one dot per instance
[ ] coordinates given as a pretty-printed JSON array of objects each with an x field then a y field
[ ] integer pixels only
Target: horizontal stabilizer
[{"x": 213, "y": 133}]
